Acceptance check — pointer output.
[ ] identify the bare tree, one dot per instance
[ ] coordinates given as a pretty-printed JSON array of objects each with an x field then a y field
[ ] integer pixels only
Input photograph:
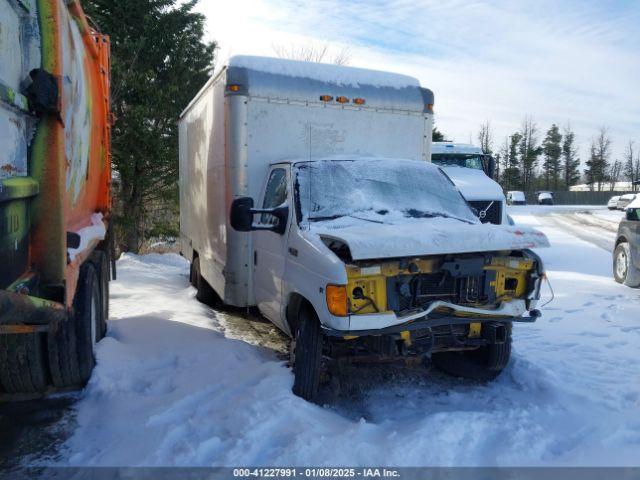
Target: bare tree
[
  {"x": 598, "y": 163},
  {"x": 485, "y": 137},
  {"x": 313, "y": 52},
  {"x": 615, "y": 171}
]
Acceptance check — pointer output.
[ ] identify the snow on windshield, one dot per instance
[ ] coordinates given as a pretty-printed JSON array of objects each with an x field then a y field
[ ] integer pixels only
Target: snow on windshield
[{"x": 382, "y": 188}]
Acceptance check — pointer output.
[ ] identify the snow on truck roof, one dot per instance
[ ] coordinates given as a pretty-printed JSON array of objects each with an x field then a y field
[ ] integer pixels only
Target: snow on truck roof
[
  {"x": 450, "y": 147},
  {"x": 277, "y": 78},
  {"x": 324, "y": 72}
]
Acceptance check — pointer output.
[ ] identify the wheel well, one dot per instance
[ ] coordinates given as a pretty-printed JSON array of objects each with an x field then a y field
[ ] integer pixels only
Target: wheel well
[{"x": 296, "y": 302}]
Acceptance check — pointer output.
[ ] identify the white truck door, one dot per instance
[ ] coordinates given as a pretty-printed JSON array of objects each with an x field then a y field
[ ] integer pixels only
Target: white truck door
[{"x": 269, "y": 248}]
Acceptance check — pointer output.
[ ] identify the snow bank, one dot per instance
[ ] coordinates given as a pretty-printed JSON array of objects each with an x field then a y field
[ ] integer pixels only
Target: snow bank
[
  {"x": 324, "y": 72},
  {"x": 173, "y": 387}
]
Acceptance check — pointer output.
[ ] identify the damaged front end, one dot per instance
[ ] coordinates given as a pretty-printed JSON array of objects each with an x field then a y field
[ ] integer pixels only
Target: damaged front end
[{"x": 439, "y": 303}]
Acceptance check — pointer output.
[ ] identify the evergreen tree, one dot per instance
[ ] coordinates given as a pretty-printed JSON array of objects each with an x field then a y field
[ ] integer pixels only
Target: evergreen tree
[
  {"x": 159, "y": 61},
  {"x": 570, "y": 160},
  {"x": 552, "y": 149},
  {"x": 510, "y": 162},
  {"x": 629, "y": 170},
  {"x": 437, "y": 135},
  {"x": 529, "y": 151},
  {"x": 598, "y": 163}
]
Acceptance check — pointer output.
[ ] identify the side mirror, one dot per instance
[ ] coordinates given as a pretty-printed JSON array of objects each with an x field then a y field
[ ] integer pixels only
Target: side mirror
[
  {"x": 242, "y": 213},
  {"x": 633, "y": 214},
  {"x": 488, "y": 165}
]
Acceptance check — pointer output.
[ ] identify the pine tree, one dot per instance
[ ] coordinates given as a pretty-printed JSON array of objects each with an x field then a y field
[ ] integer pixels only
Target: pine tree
[
  {"x": 570, "y": 160},
  {"x": 598, "y": 163},
  {"x": 629, "y": 171},
  {"x": 159, "y": 61},
  {"x": 552, "y": 149},
  {"x": 510, "y": 162},
  {"x": 437, "y": 135},
  {"x": 529, "y": 151}
]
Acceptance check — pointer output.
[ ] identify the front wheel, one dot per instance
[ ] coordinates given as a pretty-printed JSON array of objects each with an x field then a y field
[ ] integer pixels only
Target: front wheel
[
  {"x": 484, "y": 363},
  {"x": 623, "y": 269},
  {"x": 307, "y": 355}
]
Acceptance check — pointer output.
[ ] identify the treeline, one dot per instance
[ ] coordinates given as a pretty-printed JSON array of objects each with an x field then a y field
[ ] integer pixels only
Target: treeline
[
  {"x": 159, "y": 61},
  {"x": 529, "y": 160}
]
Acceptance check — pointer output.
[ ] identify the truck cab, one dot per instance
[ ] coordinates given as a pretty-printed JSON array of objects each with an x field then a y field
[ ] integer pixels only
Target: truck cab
[{"x": 471, "y": 170}]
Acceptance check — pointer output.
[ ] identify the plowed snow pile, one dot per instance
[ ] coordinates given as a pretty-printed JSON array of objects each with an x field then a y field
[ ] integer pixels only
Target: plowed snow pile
[{"x": 179, "y": 384}]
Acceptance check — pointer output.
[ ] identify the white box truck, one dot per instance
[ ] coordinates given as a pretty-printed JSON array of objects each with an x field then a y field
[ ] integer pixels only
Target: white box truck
[{"x": 306, "y": 190}]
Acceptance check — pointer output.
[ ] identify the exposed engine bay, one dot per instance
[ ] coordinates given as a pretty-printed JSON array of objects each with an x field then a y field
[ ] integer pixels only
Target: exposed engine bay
[{"x": 407, "y": 285}]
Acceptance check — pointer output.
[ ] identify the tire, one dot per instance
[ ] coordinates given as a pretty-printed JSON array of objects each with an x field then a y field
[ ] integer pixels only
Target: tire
[
  {"x": 204, "y": 292},
  {"x": 307, "y": 354},
  {"x": 23, "y": 367},
  {"x": 72, "y": 343},
  {"x": 623, "y": 269},
  {"x": 484, "y": 363},
  {"x": 102, "y": 263}
]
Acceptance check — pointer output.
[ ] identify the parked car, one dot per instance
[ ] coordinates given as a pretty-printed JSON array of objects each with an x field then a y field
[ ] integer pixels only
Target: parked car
[
  {"x": 545, "y": 198},
  {"x": 350, "y": 256},
  {"x": 515, "y": 197},
  {"x": 626, "y": 255},
  {"x": 612, "y": 204},
  {"x": 625, "y": 200}
]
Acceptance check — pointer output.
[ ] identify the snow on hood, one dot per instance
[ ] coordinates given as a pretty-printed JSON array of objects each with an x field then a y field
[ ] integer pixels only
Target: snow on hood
[
  {"x": 473, "y": 184},
  {"x": 432, "y": 236}
]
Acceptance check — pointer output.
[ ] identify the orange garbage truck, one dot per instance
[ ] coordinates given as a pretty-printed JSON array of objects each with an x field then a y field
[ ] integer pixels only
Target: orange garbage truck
[{"x": 56, "y": 255}]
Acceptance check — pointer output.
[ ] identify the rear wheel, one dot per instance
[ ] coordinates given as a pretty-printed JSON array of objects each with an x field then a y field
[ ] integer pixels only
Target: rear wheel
[
  {"x": 205, "y": 293},
  {"x": 623, "y": 269},
  {"x": 72, "y": 343},
  {"x": 484, "y": 363},
  {"x": 307, "y": 354},
  {"x": 23, "y": 367}
]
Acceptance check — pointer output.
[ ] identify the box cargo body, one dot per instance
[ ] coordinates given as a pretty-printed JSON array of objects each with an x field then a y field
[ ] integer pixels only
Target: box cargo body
[
  {"x": 256, "y": 112},
  {"x": 55, "y": 179}
]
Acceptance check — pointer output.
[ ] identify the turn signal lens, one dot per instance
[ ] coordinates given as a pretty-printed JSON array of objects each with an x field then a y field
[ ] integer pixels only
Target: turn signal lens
[
  {"x": 342, "y": 99},
  {"x": 326, "y": 98},
  {"x": 430, "y": 107},
  {"x": 359, "y": 101},
  {"x": 233, "y": 88},
  {"x": 337, "y": 300}
]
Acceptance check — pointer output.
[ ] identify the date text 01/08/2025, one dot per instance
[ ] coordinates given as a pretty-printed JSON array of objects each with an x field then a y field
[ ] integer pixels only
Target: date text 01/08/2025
[{"x": 325, "y": 472}]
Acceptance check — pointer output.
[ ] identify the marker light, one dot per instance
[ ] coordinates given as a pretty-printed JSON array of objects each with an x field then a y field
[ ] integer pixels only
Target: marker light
[
  {"x": 337, "y": 300},
  {"x": 326, "y": 98},
  {"x": 233, "y": 88},
  {"x": 430, "y": 107},
  {"x": 359, "y": 101},
  {"x": 342, "y": 99}
]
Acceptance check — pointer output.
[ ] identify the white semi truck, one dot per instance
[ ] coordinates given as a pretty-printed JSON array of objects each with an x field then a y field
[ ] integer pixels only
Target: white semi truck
[
  {"x": 472, "y": 172},
  {"x": 306, "y": 190}
]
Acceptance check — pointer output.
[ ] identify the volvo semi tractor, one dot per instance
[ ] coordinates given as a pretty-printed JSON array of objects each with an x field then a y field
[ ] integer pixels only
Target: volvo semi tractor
[
  {"x": 306, "y": 190},
  {"x": 55, "y": 197},
  {"x": 472, "y": 171}
]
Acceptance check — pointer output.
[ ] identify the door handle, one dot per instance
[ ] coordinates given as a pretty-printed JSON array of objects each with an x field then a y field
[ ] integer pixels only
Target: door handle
[{"x": 293, "y": 252}]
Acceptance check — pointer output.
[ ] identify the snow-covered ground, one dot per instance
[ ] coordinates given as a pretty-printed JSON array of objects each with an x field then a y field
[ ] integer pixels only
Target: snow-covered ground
[{"x": 180, "y": 384}]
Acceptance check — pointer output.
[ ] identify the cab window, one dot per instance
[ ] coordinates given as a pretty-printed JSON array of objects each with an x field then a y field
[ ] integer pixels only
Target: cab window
[{"x": 275, "y": 194}]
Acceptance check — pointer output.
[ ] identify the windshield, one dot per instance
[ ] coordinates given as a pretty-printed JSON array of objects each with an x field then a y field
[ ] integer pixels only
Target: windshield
[
  {"x": 467, "y": 160},
  {"x": 377, "y": 190}
]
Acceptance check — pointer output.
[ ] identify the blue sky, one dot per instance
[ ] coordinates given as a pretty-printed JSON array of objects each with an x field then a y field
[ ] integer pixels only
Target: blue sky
[{"x": 569, "y": 61}]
